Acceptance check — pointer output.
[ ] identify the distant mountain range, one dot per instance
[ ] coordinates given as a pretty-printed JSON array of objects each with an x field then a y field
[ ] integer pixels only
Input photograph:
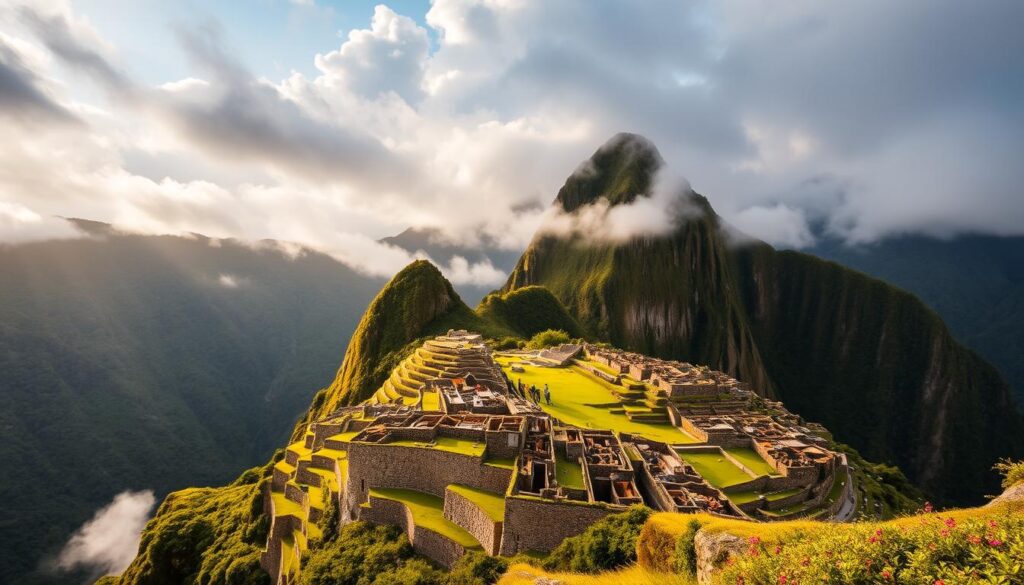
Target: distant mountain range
[{"x": 145, "y": 362}]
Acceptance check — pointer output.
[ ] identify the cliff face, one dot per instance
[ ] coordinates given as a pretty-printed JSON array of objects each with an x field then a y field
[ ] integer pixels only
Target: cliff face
[{"x": 869, "y": 361}]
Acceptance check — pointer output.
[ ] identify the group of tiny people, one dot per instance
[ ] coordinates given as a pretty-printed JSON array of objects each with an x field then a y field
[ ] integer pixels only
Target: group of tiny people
[{"x": 534, "y": 393}]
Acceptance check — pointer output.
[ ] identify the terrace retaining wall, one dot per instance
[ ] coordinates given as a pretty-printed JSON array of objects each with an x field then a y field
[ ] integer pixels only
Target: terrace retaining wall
[
  {"x": 417, "y": 468},
  {"x": 471, "y": 517},
  {"x": 425, "y": 541},
  {"x": 541, "y": 525}
]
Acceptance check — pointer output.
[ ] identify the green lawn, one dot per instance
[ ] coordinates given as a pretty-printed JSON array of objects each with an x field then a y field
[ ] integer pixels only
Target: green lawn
[
  {"x": 428, "y": 512},
  {"x": 574, "y": 396},
  {"x": 752, "y": 460},
  {"x": 744, "y": 497},
  {"x": 283, "y": 506},
  {"x": 568, "y": 473},
  {"x": 491, "y": 503},
  {"x": 464, "y": 446},
  {"x": 502, "y": 462},
  {"x": 719, "y": 471}
]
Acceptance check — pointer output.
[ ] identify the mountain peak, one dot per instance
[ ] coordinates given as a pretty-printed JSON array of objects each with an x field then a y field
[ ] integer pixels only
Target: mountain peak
[
  {"x": 620, "y": 170},
  {"x": 412, "y": 300}
]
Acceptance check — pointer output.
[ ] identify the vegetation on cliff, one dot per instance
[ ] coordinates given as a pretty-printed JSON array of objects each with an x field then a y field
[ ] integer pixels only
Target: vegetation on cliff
[
  {"x": 867, "y": 360},
  {"x": 528, "y": 311},
  {"x": 417, "y": 303},
  {"x": 204, "y": 535}
]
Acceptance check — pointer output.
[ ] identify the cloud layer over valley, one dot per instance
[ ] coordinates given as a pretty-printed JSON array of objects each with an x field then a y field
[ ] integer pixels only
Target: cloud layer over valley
[{"x": 863, "y": 120}]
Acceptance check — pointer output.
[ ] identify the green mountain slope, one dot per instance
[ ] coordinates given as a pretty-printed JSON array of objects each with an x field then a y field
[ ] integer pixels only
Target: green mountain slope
[
  {"x": 866, "y": 359},
  {"x": 416, "y": 303},
  {"x": 975, "y": 282},
  {"x": 132, "y": 362},
  {"x": 420, "y": 302}
]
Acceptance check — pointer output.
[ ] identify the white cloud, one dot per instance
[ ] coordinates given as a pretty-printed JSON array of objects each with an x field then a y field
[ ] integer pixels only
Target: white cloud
[
  {"x": 20, "y": 224},
  {"x": 777, "y": 224},
  {"x": 231, "y": 281},
  {"x": 754, "y": 103},
  {"x": 108, "y": 543}
]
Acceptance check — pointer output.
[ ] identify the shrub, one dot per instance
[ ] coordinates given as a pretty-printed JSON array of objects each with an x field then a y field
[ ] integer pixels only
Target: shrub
[
  {"x": 1012, "y": 472},
  {"x": 930, "y": 548},
  {"x": 607, "y": 544},
  {"x": 686, "y": 553},
  {"x": 548, "y": 338},
  {"x": 508, "y": 343}
]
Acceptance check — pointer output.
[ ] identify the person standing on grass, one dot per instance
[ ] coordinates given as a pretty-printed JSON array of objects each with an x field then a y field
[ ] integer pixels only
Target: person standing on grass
[{"x": 547, "y": 394}]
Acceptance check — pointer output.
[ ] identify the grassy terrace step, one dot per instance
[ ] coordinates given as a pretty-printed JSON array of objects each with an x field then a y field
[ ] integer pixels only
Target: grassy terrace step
[
  {"x": 463, "y": 446},
  {"x": 752, "y": 460},
  {"x": 502, "y": 462},
  {"x": 714, "y": 467},
  {"x": 428, "y": 511},
  {"x": 285, "y": 507},
  {"x": 576, "y": 396},
  {"x": 300, "y": 449},
  {"x": 328, "y": 478},
  {"x": 492, "y": 504},
  {"x": 744, "y": 497},
  {"x": 285, "y": 467}
]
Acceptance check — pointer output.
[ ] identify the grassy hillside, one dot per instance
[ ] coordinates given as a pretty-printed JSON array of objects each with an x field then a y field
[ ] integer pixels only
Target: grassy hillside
[
  {"x": 134, "y": 362},
  {"x": 866, "y": 359},
  {"x": 528, "y": 311}
]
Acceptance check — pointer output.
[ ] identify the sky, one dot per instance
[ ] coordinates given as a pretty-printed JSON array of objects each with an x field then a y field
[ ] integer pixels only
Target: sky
[{"x": 334, "y": 124}]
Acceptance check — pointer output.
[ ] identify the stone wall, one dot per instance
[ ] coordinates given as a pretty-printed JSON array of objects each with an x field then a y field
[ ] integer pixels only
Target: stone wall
[
  {"x": 417, "y": 468},
  {"x": 541, "y": 525},
  {"x": 438, "y": 547},
  {"x": 465, "y": 513}
]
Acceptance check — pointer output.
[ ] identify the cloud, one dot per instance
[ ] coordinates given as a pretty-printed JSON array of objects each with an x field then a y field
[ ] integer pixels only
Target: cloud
[
  {"x": 231, "y": 281},
  {"x": 468, "y": 124},
  {"x": 108, "y": 543},
  {"x": 779, "y": 225},
  {"x": 657, "y": 214},
  {"x": 388, "y": 57},
  {"x": 20, "y": 224}
]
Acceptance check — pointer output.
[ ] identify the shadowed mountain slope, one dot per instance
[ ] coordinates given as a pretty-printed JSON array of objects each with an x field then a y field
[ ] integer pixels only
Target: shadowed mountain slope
[{"x": 144, "y": 362}]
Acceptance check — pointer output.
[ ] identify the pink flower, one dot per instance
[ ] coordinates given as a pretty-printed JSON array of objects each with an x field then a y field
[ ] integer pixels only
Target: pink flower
[
  {"x": 754, "y": 540},
  {"x": 974, "y": 539},
  {"x": 778, "y": 549},
  {"x": 951, "y": 522},
  {"x": 783, "y": 580},
  {"x": 939, "y": 582},
  {"x": 995, "y": 542},
  {"x": 886, "y": 574},
  {"x": 993, "y": 523}
]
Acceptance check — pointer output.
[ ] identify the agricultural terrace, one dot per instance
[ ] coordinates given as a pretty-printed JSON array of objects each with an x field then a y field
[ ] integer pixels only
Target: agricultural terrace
[
  {"x": 582, "y": 400},
  {"x": 428, "y": 511}
]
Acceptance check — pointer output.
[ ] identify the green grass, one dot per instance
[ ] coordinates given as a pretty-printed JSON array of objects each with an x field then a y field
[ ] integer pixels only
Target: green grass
[
  {"x": 428, "y": 512},
  {"x": 491, "y": 503},
  {"x": 752, "y": 460},
  {"x": 502, "y": 462},
  {"x": 463, "y": 446},
  {"x": 744, "y": 497},
  {"x": 574, "y": 395},
  {"x": 568, "y": 473},
  {"x": 283, "y": 506},
  {"x": 719, "y": 471}
]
